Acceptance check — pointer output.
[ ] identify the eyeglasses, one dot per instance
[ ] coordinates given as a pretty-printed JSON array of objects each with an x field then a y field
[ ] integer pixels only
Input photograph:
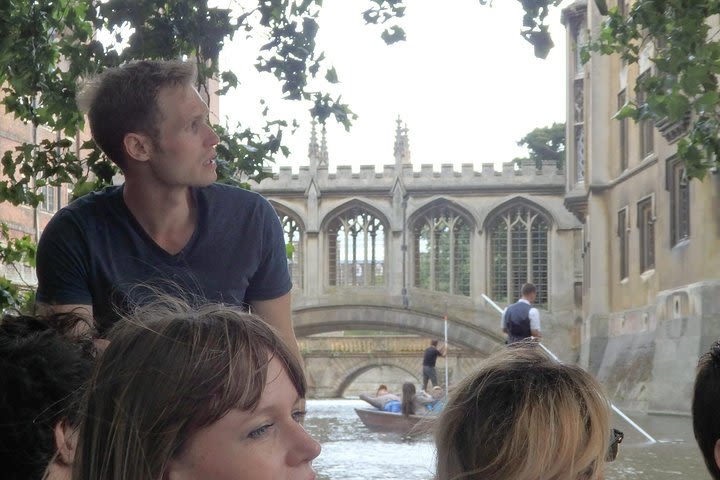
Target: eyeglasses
[{"x": 616, "y": 438}]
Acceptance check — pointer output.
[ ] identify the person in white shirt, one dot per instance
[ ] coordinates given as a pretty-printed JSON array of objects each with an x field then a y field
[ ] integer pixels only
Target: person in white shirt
[{"x": 521, "y": 320}]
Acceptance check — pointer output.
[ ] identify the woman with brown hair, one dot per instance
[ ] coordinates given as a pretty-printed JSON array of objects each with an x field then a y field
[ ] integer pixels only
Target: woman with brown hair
[
  {"x": 182, "y": 394},
  {"x": 523, "y": 416}
]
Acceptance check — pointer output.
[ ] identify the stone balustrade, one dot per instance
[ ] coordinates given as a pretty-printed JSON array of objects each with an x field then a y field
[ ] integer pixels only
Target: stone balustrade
[{"x": 414, "y": 346}]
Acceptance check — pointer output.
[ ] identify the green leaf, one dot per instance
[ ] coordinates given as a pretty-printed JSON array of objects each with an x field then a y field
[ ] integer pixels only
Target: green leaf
[
  {"x": 331, "y": 75},
  {"x": 393, "y": 35}
]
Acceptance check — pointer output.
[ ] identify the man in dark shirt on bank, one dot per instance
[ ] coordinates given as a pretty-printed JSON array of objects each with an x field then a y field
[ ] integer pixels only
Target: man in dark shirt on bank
[
  {"x": 429, "y": 359},
  {"x": 521, "y": 320}
]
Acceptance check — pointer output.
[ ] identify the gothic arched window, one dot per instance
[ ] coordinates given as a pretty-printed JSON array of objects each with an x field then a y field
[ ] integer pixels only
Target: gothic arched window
[
  {"x": 441, "y": 251},
  {"x": 293, "y": 233},
  {"x": 356, "y": 249},
  {"x": 518, "y": 253}
]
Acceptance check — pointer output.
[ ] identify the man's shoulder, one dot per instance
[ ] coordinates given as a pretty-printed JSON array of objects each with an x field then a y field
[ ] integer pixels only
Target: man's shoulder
[
  {"x": 222, "y": 191},
  {"x": 94, "y": 200},
  {"x": 89, "y": 207},
  {"x": 239, "y": 200}
]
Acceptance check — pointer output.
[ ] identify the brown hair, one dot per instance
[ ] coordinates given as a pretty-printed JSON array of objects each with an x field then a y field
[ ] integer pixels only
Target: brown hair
[
  {"x": 523, "y": 417},
  {"x": 170, "y": 370},
  {"x": 407, "y": 407},
  {"x": 528, "y": 289},
  {"x": 123, "y": 100}
]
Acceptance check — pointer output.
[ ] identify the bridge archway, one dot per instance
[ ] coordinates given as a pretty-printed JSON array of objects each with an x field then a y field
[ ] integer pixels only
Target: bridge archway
[
  {"x": 479, "y": 334},
  {"x": 409, "y": 366}
]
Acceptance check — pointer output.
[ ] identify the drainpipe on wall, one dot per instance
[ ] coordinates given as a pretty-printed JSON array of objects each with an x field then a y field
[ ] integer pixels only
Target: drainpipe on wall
[
  {"x": 405, "y": 299},
  {"x": 36, "y": 212}
]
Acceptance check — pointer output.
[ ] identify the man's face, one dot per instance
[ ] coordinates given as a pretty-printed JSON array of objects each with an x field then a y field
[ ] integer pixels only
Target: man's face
[{"x": 184, "y": 153}]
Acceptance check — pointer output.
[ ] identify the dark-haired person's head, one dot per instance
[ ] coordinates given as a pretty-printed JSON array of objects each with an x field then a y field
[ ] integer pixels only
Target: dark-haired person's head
[
  {"x": 43, "y": 368},
  {"x": 529, "y": 292},
  {"x": 706, "y": 398},
  {"x": 434, "y": 342},
  {"x": 407, "y": 405}
]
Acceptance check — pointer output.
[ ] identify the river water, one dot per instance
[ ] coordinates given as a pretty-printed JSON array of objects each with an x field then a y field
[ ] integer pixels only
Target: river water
[{"x": 352, "y": 452}]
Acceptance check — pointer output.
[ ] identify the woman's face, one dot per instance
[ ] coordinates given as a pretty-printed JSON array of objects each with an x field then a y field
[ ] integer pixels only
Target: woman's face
[{"x": 268, "y": 443}]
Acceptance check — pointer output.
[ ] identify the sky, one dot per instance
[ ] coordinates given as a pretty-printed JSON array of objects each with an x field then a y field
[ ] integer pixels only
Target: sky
[{"x": 465, "y": 82}]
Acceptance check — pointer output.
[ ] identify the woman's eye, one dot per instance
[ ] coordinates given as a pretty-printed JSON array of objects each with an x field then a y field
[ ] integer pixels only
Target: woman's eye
[
  {"x": 299, "y": 415},
  {"x": 259, "y": 432}
]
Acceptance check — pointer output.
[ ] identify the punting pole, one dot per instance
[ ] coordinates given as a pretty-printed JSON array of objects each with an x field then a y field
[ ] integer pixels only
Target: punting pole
[
  {"x": 554, "y": 357},
  {"x": 447, "y": 383}
]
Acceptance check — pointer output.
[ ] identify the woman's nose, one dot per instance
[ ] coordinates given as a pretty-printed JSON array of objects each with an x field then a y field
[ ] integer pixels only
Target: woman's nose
[{"x": 305, "y": 448}]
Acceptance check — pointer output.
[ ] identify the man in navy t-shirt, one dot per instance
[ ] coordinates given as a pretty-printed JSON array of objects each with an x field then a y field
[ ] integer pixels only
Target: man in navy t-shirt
[{"x": 169, "y": 228}]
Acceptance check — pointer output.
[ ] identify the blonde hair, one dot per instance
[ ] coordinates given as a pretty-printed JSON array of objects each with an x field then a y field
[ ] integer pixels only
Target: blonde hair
[
  {"x": 523, "y": 416},
  {"x": 169, "y": 371}
]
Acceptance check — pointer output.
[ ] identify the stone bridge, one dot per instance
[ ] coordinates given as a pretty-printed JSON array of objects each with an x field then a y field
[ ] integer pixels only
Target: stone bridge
[{"x": 332, "y": 364}]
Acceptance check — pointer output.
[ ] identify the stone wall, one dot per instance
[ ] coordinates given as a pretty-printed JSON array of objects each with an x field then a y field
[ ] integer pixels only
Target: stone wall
[{"x": 646, "y": 358}]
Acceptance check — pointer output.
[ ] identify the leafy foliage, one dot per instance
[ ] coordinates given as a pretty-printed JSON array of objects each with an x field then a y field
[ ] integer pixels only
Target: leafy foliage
[
  {"x": 545, "y": 143},
  {"x": 682, "y": 44},
  {"x": 47, "y": 45}
]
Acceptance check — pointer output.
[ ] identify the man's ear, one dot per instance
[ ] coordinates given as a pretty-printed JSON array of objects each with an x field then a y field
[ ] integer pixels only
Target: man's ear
[
  {"x": 138, "y": 146},
  {"x": 65, "y": 442}
]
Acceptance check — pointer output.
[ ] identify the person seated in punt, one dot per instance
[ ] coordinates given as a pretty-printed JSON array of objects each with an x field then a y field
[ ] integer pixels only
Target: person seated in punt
[
  {"x": 410, "y": 402},
  {"x": 438, "y": 395},
  {"x": 383, "y": 399}
]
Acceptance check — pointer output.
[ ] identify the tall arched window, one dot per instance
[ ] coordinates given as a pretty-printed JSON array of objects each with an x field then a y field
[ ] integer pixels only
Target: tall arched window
[
  {"x": 356, "y": 249},
  {"x": 518, "y": 253},
  {"x": 293, "y": 245},
  {"x": 441, "y": 241}
]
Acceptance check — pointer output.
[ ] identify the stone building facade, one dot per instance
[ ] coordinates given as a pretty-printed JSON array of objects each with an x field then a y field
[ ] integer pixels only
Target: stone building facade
[
  {"x": 650, "y": 237},
  {"x": 431, "y": 239}
]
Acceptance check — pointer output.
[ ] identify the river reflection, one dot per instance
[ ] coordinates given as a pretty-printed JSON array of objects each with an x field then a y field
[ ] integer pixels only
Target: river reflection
[{"x": 352, "y": 452}]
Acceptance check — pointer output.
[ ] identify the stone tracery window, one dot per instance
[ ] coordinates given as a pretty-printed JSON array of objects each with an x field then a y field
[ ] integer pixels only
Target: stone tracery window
[
  {"x": 292, "y": 231},
  {"x": 518, "y": 239},
  {"x": 441, "y": 241},
  {"x": 356, "y": 249},
  {"x": 579, "y": 33}
]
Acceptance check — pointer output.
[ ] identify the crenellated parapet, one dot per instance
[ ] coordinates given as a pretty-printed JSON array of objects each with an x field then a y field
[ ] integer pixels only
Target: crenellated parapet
[{"x": 524, "y": 178}]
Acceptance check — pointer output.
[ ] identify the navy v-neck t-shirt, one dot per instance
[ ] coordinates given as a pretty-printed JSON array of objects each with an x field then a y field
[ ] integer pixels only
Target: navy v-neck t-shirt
[{"x": 94, "y": 252}]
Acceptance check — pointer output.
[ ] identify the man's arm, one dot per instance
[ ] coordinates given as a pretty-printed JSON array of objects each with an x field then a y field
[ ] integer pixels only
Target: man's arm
[
  {"x": 502, "y": 321},
  {"x": 535, "y": 323},
  {"x": 277, "y": 313}
]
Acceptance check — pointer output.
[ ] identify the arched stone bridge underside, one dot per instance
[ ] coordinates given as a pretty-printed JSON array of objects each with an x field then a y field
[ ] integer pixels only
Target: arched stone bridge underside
[
  {"x": 477, "y": 337},
  {"x": 330, "y": 373}
]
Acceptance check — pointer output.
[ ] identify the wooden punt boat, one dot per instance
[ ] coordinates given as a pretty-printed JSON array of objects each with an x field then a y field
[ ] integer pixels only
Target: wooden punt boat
[{"x": 380, "y": 421}]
